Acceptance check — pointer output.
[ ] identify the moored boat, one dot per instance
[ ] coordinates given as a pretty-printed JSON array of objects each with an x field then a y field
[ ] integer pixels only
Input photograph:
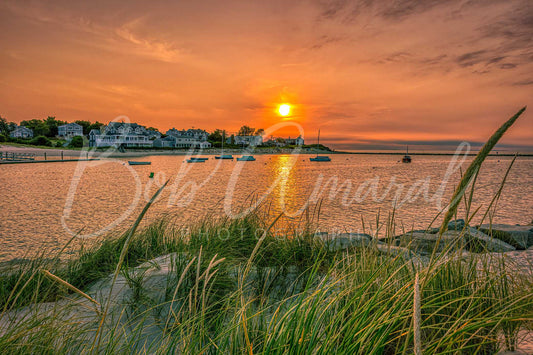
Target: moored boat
[
  {"x": 320, "y": 157},
  {"x": 198, "y": 159},
  {"x": 246, "y": 158},
  {"x": 224, "y": 156},
  {"x": 192, "y": 160},
  {"x": 406, "y": 158}
]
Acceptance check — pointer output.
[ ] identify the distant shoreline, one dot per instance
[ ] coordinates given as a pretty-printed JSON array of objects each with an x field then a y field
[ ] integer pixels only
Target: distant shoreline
[{"x": 51, "y": 152}]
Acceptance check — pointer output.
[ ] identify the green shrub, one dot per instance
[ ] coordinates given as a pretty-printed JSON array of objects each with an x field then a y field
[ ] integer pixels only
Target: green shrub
[
  {"x": 2, "y": 138},
  {"x": 41, "y": 140},
  {"x": 76, "y": 142}
]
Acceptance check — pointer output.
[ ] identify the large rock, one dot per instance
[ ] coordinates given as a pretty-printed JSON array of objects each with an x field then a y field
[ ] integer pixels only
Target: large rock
[
  {"x": 394, "y": 250},
  {"x": 425, "y": 243},
  {"x": 470, "y": 239},
  {"x": 341, "y": 241},
  {"x": 479, "y": 241},
  {"x": 457, "y": 224},
  {"x": 521, "y": 237}
]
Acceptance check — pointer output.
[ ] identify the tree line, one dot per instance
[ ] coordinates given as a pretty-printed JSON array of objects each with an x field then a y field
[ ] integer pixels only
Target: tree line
[{"x": 47, "y": 127}]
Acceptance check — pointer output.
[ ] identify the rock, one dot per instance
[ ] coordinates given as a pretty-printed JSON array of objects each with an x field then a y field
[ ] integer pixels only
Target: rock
[
  {"x": 458, "y": 224},
  {"x": 521, "y": 237},
  {"x": 425, "y": 243},
  {"x": 342, "y": 241},
  {"x": 394, "y": 250},
  {"x": 471, "y": 239},
  {"x": 430, "y": 230},
  {"x": 479, "y": 240}
]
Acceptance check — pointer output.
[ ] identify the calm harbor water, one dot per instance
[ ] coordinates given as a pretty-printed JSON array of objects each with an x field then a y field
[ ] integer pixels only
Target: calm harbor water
[{"x": 42, "y": 204}]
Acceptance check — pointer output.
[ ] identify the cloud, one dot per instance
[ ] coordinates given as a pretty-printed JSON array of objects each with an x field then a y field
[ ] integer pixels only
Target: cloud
[
  {"x": 523, "y": 82},
  {"x": 471, "y": 58},
  {"x": 400, "y": 9}
]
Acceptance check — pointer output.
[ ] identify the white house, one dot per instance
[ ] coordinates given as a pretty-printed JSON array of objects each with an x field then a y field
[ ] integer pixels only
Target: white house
[
  {"x": 295, "y": 141},
  {"x": 117, "y": 134},
  {"x": 21, "y": 132},
  {"x": 167, "y": 142},
  {"x": 127, "y": 140},
  {"x": 191, "y": 138},
  {"x": 70, "y": 130},
  {"x": 198, "y": 134},
  {"x": 171, "y": 141},
  {"x": 253, "y": 141}
]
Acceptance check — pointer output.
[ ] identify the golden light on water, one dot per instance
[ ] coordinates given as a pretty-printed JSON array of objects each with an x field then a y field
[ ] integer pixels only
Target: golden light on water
[{"x": 284, "y": 109}]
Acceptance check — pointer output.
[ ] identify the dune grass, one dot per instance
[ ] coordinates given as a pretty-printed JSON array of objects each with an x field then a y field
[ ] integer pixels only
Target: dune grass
[{"x": 284, "y": 295}]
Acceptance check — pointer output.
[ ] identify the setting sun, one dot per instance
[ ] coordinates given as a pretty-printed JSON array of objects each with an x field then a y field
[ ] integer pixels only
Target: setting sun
[{"x": 284, "y": 109}]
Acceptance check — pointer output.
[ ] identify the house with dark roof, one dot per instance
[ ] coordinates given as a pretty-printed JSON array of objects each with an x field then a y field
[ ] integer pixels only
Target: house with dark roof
[
  {"x": 21, "y": 132},
  {"x": 70, "y": 130}
]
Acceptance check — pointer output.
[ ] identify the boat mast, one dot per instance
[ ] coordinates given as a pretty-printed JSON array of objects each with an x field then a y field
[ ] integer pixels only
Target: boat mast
[{"x": 318, "y": 143}]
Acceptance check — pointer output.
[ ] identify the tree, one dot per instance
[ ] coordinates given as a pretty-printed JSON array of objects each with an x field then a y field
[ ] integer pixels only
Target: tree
[
  {"x": 259, "y": 132},
  {"x": 52, "y": 125},
  {"x": 246, "y": 131},
  {"x": 216, "y": 136},
  {"x": 4, "y": 126},
  {"x": 97, "y": 125},
  {"x": 41, "y": 140},
  {"x": 39, "y": 127}
]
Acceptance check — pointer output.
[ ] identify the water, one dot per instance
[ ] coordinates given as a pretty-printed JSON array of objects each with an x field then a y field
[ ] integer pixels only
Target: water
[{"x": 35, "y": 196}]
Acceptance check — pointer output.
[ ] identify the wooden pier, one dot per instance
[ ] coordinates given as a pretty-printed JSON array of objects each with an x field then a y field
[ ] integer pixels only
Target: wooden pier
[
  {"x": 4, "y": 162},
  {"x": 25, "y": 158},
  {"x": 12, "y": 156}
]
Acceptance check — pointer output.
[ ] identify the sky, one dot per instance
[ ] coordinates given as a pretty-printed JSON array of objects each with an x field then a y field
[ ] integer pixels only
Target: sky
[{"x": 368, "y": 74}]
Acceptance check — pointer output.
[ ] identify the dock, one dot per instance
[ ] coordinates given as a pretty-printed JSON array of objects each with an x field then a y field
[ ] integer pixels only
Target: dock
[
  {"x": 2, "y": 162},
  {"x": 26, "y": 158}
]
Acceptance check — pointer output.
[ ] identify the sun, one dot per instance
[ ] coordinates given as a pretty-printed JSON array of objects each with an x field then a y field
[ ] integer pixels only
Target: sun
[{"x": 284, "y": 109}]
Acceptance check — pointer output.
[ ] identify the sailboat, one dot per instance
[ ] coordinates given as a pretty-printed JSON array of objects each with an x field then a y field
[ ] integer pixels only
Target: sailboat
[
  {"x": 406, "y": 158},
  {"x": 224, "y": 156},
  {"x": 320, "y": 157}
]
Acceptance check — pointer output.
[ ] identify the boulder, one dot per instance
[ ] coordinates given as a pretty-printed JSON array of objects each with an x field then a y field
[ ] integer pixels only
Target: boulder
[
  {"x": 458, "y": 224},
  {"x": 479, "y": 241},
  {"x": 521, "y": 237},
  {"x": 470, "y": 239},
  {"x": 430, "y": 230},
  {"x": 425, "y": 243},
  {"x": 394, "y": 250},
  {"x": 341, "y": 241}
]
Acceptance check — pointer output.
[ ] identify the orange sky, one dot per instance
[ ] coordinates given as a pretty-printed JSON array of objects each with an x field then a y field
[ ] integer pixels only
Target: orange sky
[{"x": 369, "y": 74}]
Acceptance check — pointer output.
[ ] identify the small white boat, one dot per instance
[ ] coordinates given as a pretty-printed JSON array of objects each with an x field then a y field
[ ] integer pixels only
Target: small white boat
[
  {"x": 139, "y": 162},
  {"x": 246, "y": 158}
]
